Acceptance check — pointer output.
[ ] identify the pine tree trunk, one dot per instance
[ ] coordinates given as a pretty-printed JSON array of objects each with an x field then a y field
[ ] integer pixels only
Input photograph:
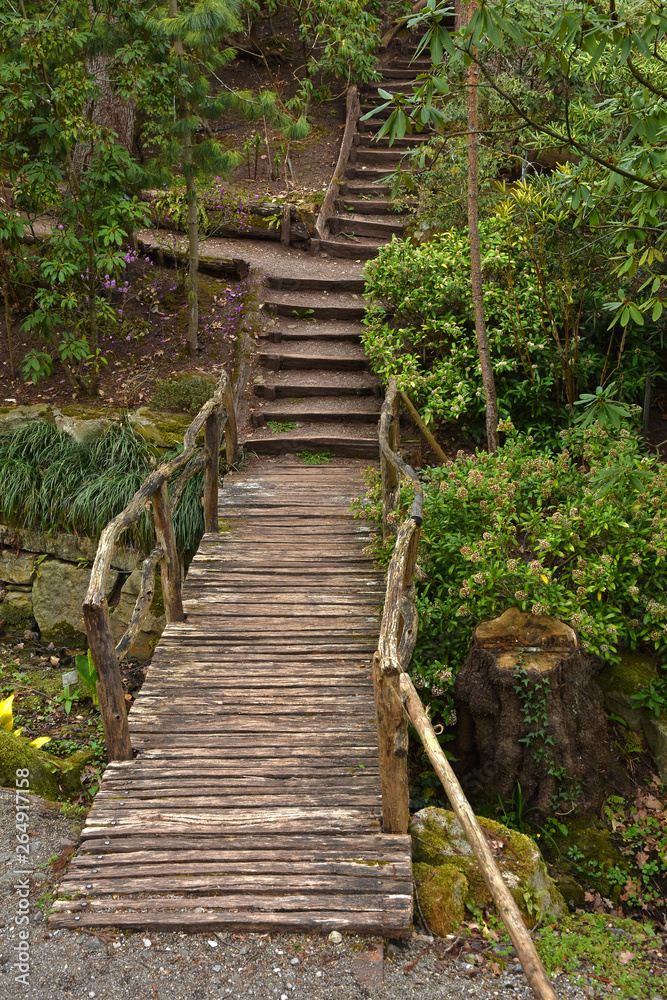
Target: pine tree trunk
[
  {"x": 94, "y": 382},
  {"x": 110, "y": 110},
  {"x": 192, "y": 284},
  {"x": 193, "y": 248},
  {"x": 476, "y": 255}
]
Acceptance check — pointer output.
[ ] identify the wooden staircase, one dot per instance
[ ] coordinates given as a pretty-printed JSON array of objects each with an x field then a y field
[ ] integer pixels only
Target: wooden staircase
[
  {"x": 253, "y": 802},
  {"x": 314, "y": 387}
]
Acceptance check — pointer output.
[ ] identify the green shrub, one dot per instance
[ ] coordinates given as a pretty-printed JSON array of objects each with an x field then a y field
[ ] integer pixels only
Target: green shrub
[
  {"x": 183, "y": 393},
  {"x": 580, "y": 535},
  {"x": 50, "y": 482},
  {"x": 544, "y": 294}
]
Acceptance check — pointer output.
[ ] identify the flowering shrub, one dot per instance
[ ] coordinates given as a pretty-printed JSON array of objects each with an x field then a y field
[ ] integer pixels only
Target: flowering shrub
[{"x": 580, "y": 535}]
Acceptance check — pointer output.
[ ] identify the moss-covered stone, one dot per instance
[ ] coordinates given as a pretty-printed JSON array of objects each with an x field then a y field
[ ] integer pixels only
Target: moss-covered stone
[
  {"x": 573, "y": 894},
  {"x": 51, "y": 777},
  {"x": 13, "y": 417},
  {"x": 438, "y": 839},
  {"x": 165, "y": 430},
  {"x": 620, "y": 681},
  {"x": 441, "y": 893},
  {"x": 16, "y": 611},
  {"x": 587, "y": 853}
]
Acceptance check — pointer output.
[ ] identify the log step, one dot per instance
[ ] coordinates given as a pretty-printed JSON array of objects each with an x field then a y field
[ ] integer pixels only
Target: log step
[
  {"x": 349, "y": 408},
  {"x": 299, "y": 384},
  {"x": 364, "y": 227}
]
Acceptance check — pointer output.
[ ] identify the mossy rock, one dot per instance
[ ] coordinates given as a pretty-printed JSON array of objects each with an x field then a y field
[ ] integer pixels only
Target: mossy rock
[
  {"x": 16, "y": 615},
  {"x": 441, "y": 891},
  {"x": 438, "y": 840},
  {"x": 620, "y": 681},
  {"x": 51, "y": 777},
  {"x": 590, "y": 840},
  {"x": 13, "y": 417},
  {"x": 164, "y": 430}
]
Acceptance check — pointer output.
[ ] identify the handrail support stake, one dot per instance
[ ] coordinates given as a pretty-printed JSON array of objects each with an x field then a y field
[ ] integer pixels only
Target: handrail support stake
[
  {"x": 110, "y": 692},
  {"x": 170, "y": 565},
  {"x": 211, "y": 471}
]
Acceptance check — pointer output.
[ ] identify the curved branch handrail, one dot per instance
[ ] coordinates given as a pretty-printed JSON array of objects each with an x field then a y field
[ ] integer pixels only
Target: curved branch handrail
[
  {"x": 397, "y": 700},
  {"x": 214, "y": 416}
]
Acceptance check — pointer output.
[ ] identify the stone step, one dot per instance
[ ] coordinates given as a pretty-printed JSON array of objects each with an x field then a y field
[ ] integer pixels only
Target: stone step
[
  {"x": 392, "y": 86},
  {"x": 356, "y": 409},
  {"x": 295, "y": 384},
  {"x": 380, "y": 114},
  {"x": 392, "y": 72},
  {"x": 408, "y": 63},
  {"x": 358, "y": 188},
  {"x": 407, "y": 142},
  {"x": 360, "y": 227},
  {"x": 369, "y": 173}
]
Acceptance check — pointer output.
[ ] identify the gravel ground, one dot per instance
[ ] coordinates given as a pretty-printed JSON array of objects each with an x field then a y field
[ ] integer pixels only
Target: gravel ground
[{"x": 176, "y": 966}]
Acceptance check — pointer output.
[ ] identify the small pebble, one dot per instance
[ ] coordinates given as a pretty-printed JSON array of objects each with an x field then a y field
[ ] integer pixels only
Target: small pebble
[
  {"x": 212, "y": 943},
  {"x": 147, "y": 942},
  {"x": 294, "y": 961},
  {"x": 336, "y": 937},
  {"x": 216, "y": 968}
]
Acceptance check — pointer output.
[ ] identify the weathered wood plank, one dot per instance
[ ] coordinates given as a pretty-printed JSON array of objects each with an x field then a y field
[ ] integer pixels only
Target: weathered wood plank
[{"x": 255, "y": 795}]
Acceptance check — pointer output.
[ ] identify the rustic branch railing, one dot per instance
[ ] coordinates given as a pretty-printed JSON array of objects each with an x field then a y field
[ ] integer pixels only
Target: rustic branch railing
[
  {"x": 216, "y": 414},
  {"x": 397, "y": 701}
]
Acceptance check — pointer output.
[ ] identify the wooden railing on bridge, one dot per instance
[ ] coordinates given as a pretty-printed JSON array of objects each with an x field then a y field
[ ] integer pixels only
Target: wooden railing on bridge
[
  {"x": 397, "y": 701},
  {"x": 215, "y": 416}
]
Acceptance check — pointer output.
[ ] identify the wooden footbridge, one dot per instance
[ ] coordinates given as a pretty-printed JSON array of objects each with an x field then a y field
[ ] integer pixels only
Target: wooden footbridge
[{"x": 254, "y": 799}]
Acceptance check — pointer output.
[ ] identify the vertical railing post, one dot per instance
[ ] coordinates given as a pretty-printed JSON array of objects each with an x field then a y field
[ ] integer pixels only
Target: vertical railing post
[
  {"x": 393, "y": 749},
  {"x": 231, "y": 432},
  {"x": 109, "y": 684},
  {"x": 211, "y": 471},
  {"x": 170, "y": 566},
  {"x": 388, "y": 474}
]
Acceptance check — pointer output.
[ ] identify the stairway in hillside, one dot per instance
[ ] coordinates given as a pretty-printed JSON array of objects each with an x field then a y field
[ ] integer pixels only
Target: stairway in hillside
[{"x": 315, "y": 391}]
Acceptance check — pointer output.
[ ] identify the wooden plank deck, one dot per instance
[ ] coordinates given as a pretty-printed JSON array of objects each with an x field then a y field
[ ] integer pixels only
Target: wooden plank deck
[{"x": 254, "y": 800}]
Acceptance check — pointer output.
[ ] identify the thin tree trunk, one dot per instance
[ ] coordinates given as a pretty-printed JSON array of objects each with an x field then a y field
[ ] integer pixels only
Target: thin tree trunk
[
  {"x": 193, "y": 248},
  {"x": 476, "y": 255},
  {"x": 92, "y": 319},
  {"x": 8, "y": 321},
  {"x": 192, "y": 284}
]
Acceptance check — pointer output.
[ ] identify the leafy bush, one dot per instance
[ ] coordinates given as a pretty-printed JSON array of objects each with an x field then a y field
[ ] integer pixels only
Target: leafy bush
[
  {"x": 580, "y": 535},
  {"x": 545, "y": 289},
  {"x": 50, "y": 482},
  {"x": 183, "y": 393}
]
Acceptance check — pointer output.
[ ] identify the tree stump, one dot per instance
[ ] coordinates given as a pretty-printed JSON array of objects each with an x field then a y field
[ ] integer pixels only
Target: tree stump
[{"x": 531, "y": 715}]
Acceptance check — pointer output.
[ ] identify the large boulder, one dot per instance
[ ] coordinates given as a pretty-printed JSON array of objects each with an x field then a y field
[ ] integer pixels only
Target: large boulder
[
  {"x": 57, "y": 601},
  {"x": 438, "y": 842}
]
